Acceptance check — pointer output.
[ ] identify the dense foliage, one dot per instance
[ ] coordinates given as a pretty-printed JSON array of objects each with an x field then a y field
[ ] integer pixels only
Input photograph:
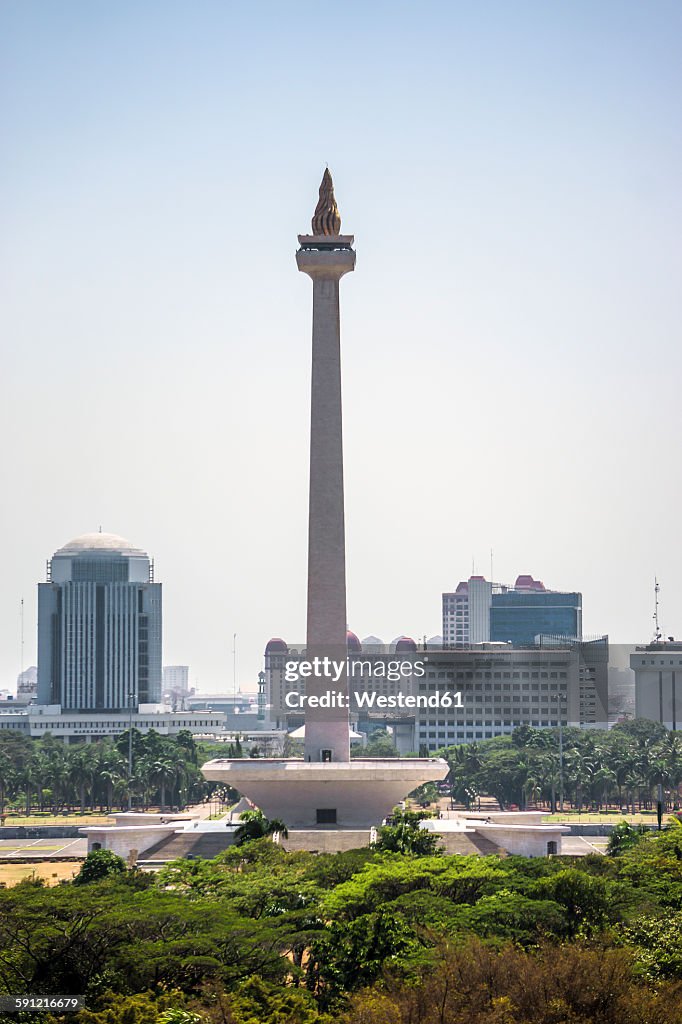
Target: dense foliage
[
  {"x": 403, "y": 834},
  {"x": 254, "y": 825},
  {"x": 47, "y": 774},
  {"x": 622, "y": 767},
  {"x": 261, "y": 936}
]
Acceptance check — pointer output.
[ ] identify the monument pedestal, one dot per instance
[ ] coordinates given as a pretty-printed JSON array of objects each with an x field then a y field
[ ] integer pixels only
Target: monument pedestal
[{"x": 337, "y": 794}]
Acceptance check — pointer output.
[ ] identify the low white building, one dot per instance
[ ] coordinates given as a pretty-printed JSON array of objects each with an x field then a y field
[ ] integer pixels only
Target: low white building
[
  {"x": 515, "y": 832},
  {"x": 39, "y": 720}
]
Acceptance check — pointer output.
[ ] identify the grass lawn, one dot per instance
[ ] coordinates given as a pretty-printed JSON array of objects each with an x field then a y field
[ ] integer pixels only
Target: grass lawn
[
  {"x": 54, "y": 819},
  {"x": 27, "y": 845},
  {"x": 610, "y": 817},
  {"x": 606, "y": 817},
  {"x": 10, "y": 873}
]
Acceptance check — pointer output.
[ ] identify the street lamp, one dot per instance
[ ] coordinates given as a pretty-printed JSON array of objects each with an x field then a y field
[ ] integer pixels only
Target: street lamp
[
  {"x": 561, "y": 700},
  {"x": 131, "y": 698}
]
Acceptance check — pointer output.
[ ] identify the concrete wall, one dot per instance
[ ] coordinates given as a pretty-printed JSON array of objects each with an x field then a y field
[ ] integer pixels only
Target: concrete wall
[
  {"x": 526, "y": 842},
  {"x": 122, "y": 840},
  {"x": 40, "y": 832}
]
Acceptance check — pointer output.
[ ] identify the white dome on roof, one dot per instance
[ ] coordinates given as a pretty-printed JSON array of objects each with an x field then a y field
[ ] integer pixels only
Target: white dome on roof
[{"x": 100, "y": 543}]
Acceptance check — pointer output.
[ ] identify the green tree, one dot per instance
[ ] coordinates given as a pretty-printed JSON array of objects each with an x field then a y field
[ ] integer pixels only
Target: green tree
[
  {"x": 624, "y": 836},
  {"x": 406, "y": 836},
  {"x": 589, "y": 902},
  {"x": 99, "y": 864},
  {"x": 254, "y": 825},
  {"x": 380, "y": 744}
]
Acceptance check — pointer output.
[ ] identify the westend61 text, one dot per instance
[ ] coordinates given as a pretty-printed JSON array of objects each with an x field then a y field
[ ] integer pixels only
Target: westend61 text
[
  {"x": 328, "y": 668},
  {"x": 338, "y": 699}
]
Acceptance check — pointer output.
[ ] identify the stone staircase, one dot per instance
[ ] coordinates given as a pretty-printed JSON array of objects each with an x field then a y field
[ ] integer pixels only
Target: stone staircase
[
  {"x": 467, "y": 843},
  {"x": 208, "y": 844},
  {"x": 187, "y": 844}
]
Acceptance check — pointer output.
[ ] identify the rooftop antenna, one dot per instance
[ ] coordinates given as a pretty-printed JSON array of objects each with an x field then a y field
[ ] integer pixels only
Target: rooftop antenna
[
  {"x": 657, "y": 628},
  {"x": 234, "y": 667},
  {"x": 22, "y": 636},
  {"x": 491, "y": 566}
]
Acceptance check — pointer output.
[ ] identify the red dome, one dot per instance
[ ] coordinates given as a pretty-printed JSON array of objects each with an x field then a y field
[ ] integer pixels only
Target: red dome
[
  {"x": 405, "y": 644},
  {"x": 276, "y": 646},
  {"x": 526, "y": 582},
  {"x": 354, "y": 645}
]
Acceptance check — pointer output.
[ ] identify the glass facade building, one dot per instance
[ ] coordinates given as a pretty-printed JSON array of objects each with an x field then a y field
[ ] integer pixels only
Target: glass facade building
[
  {"x": 99, "y": 627},
  {"x": 518, "y": 616}
]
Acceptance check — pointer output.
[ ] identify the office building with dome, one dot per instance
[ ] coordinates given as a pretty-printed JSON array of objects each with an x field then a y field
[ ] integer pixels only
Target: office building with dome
[{"x": 99, "y": 627}]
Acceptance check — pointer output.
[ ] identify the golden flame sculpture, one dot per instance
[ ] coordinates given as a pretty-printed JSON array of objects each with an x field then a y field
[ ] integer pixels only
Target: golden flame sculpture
[{"x": 326, "y": 219}]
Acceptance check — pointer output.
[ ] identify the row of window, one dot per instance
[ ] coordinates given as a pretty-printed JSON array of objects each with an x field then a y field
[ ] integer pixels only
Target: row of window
[
  {"x": 494, "y": 675},
  {"x": 137, "y": 724},
  {"x": 451, "y": 734}
]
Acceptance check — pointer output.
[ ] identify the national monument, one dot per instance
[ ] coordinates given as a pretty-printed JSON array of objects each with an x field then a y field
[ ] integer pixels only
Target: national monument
[{"x": 326, "y": 789}]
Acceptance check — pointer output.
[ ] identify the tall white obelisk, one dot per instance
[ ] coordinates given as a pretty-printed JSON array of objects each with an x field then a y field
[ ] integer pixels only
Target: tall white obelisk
[
  {"x": 326, "y": 256},
  {"x": 326, "y": 790}
]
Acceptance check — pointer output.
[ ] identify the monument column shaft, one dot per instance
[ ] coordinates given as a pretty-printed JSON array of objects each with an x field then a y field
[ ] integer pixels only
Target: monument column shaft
[
  {"x": 326, "y": 536},
  {"x": 326, "y": 256},
  {"x": 327, "y": 727}
]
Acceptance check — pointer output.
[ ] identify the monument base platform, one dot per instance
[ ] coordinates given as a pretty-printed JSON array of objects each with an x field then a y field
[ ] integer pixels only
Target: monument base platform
[
  {"x": 334, "y": 794},
  {"x": 320, "y": 840}
]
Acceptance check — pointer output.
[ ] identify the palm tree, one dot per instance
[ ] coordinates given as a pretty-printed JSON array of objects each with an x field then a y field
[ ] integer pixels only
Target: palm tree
[
  {"x": 603, "y": 778},
  {"x": 109, "y": 770},
  {"x": 622, "y": 767},
  {"x": 57, "y": 775},
  {"x": 26, "y": 780},
  {"x": 42, "y": 775},
  {"x": 7, "y": 779},
  {"x": 658, "y": 775},
  {"x": 254, "y": 825},
  {"x": 110, "y": 778},
  {"x": 142, "y": 779},
  {"x": 546, "y": 771},
  {"x": 581, "y": 770},
  {"x": 632, "y": 782},
  {"x": 671, "y": 751},
  {"x": 163, "y": 773}
]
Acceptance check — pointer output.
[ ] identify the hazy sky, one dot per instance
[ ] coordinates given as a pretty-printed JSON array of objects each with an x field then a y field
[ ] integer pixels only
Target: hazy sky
[{"x": 511, "y": 335}]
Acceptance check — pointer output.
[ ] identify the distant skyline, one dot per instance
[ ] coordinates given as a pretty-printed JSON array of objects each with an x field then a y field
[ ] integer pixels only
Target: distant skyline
[{"x": 510, "y": 337}]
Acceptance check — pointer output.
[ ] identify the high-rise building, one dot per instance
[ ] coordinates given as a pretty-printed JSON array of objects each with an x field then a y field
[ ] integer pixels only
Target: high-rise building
[
  {"x": 658, "y": 682},
  {"x": 593, "y": 653},
  {"x": 176, "y": 679},
  {"x": 99, "y": 627},
  {"x": 466, "y": 613},
  {"x": 27, "y": 684},
  {"x": 520, "y": 613},
  {"x": 479, "y": 611}
]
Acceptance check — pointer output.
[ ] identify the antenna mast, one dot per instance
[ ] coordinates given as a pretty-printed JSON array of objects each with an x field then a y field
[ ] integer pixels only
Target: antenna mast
[
  {"x": 234, "y": 668},
  {"x": 657, "y": 629},
  {"x": 22, "y": 636}
]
